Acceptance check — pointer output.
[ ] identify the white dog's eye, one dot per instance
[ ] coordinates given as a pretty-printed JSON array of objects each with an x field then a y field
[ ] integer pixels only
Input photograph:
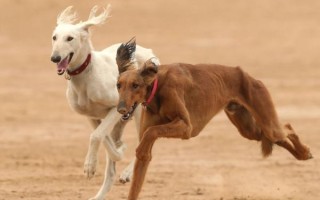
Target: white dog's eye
[
  {"x": 69, "y": 38},
  {"x": 54, "y": 38}
]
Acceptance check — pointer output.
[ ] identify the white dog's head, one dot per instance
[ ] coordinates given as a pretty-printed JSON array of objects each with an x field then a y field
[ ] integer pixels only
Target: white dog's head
[{"x": 71, "y": 40}]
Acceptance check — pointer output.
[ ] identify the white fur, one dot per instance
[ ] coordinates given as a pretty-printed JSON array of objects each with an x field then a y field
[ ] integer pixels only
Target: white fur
[{"x": 93, "y": 92}]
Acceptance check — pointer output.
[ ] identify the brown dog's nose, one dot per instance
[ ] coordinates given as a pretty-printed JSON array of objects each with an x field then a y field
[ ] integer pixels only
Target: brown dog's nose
[
  {"x": 122, "y": 107},
  {"x": 122, "y": 110}
]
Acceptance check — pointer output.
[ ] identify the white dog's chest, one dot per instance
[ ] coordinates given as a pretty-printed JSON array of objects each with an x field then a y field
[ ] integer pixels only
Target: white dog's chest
[
  {"x": 92, "y": 110},
  {"x": 93, "y": 104}
]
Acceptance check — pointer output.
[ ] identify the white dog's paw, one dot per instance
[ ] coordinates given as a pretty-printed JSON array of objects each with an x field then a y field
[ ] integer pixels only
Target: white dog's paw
[
  {"x": 125, "y": 176},
  {"x": 90, "y": 166}
]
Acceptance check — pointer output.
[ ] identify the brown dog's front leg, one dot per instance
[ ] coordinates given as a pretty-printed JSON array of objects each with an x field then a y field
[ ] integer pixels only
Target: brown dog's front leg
[
  {"x": 174, "y": 129},
  {"x": 140, "y": 169},
  {"x": 143, "y": 154}
]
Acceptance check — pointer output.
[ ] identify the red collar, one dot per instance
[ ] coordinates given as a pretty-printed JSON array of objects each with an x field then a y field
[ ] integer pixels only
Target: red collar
[
  {"x": 81, "y": 68},
  {"x": 153, "y": 92}
]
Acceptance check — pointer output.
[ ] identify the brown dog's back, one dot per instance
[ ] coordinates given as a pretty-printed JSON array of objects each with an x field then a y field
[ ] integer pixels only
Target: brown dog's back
[{"x": 206, "y": 89}]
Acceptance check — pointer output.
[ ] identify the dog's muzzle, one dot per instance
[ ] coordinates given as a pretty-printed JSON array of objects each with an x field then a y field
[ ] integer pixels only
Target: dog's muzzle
[
  {"x": 127, "y": 115},
  {"x": 62, "y": 65}
]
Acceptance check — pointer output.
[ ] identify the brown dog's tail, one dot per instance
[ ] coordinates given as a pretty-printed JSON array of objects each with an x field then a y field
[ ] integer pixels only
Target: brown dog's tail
[{"x": 266, "y": 146}]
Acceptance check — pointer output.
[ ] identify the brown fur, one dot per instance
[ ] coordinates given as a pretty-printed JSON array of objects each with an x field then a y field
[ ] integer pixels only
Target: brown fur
[{"x": 188, "y": 96}]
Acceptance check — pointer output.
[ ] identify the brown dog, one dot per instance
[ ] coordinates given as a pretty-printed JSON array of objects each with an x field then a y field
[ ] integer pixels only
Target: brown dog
[{"x": 180, "y": 99}]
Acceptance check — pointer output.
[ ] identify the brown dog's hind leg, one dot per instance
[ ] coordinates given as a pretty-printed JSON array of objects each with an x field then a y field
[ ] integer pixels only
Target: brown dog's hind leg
[
  {"x": 293, "y": 144},
  {"x": 243, "y": 120},
  {"x": 247, "y": 127}
]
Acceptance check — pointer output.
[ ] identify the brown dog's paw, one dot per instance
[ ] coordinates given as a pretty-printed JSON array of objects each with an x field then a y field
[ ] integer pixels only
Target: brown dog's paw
[
  {"x": 306, "y": 155},
  {"x": 303, "y": 152}
]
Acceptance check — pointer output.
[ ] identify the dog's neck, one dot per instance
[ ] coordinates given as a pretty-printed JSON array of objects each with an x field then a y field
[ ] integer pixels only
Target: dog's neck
[
  {"x": 81, "y": 68},
  {"x": 81, "y": 57},
  {"x": 152, "y": 92}
]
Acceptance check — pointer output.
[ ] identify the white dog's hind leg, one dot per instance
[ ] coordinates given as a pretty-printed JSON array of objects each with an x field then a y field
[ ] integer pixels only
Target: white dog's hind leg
[
  {"x": 109, "y": 177},
  {"x": 95, "y": 139}
]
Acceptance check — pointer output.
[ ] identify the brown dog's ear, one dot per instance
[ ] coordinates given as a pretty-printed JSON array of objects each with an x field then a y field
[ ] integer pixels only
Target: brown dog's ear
[
  {"x": 125, "y": 55},
  {"x": 150, "y": 70}
]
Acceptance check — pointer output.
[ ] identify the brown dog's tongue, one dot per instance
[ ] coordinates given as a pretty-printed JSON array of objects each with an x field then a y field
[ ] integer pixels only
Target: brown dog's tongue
[{"x": 62, "y": 66}]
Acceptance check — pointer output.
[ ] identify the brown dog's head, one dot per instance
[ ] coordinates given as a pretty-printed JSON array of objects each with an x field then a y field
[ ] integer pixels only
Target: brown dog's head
[{"x": 133, "y": 84}]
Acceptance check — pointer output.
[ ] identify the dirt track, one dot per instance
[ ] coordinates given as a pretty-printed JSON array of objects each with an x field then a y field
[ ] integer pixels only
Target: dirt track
[{"x": 43, "y": 143}]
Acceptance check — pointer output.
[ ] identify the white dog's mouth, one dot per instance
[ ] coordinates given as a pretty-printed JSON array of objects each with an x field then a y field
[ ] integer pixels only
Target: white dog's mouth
[
  {"x": 63, "y": 65},
  {"x": 128, "y": 115}
]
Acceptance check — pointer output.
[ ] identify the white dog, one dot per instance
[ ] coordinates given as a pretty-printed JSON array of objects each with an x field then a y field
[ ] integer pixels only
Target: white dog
[{"x": 91, "y": 91}]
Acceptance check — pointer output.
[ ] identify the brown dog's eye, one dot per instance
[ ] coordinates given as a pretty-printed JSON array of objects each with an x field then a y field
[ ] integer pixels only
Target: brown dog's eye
[
  {"x": 69, "y": 38},
  {"x": 135, "y": 86},
  {"x": 118, "y": 86},
  {"x": 54, "y": 38}
]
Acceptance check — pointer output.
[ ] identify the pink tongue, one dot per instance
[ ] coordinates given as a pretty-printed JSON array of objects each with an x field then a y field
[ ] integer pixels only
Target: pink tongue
[{"x": 62, "y": 66}]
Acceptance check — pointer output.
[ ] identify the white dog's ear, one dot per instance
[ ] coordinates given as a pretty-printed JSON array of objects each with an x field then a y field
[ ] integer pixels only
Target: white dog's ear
[
  {"x": 67, "y": 16},
  {"x": 96, "y": 20},
  {"x": 150, "y": 70},
  {"x": 126, "y": 56}
]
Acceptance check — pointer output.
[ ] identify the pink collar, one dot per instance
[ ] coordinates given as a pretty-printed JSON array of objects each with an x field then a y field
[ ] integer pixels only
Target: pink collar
[
  {"x": 153, "y": 92},
  {"x": 81, "y": 68}
]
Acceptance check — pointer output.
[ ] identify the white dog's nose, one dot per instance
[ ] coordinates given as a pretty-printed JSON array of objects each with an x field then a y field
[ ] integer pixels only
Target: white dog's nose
[{"x": 55, "y": 59}]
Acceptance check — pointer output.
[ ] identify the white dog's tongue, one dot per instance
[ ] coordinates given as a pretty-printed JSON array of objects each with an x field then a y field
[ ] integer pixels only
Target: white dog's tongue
[{"x": 62, "y": 66}]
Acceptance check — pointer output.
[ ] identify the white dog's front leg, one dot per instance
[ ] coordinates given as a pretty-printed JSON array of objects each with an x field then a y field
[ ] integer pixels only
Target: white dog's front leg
[
  {"x": 108, "y": 180},
  {"x": 101, "y": 132},
  {"x": 115, "y": 154},
  {"x": 90, "y": 163},
  {"x": 126, "y": 174}
]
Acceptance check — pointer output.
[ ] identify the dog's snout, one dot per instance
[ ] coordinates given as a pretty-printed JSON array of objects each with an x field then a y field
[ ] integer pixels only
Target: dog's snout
[
  {"x": 122, "y": 110},
  {"x": 122, "y": 107},
  {"x": 55, "y": 59}
]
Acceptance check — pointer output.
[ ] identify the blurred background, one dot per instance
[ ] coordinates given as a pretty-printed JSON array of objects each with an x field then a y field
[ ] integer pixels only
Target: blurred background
[{"x": 43, "y": 143}]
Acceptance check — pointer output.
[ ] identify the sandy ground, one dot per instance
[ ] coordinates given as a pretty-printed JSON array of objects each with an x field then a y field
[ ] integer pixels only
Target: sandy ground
[{"x": 43, "y": 143}]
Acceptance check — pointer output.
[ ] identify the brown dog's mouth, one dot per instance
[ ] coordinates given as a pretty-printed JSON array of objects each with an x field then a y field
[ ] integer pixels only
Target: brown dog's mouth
[
  {"x": 128, "y": 115},
  {"x": 62, "y": 65}
]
